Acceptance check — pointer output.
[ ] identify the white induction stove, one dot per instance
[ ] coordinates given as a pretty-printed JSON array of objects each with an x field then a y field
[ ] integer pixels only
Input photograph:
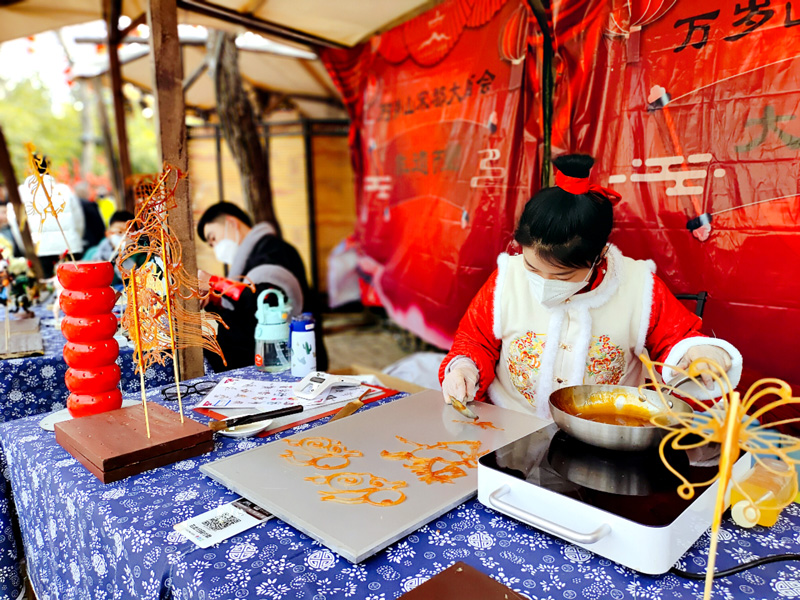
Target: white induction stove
[{"x": 623, "y": 506}]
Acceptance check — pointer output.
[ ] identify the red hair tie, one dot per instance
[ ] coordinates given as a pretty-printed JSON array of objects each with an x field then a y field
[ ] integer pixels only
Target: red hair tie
[{"x": 581, "y": 185}]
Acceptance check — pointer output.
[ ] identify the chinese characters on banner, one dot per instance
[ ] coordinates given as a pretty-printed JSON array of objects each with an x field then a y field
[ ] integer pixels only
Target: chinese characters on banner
[
  {"x": 701, "y": 115},
  {"x": 438, "y": 137}
]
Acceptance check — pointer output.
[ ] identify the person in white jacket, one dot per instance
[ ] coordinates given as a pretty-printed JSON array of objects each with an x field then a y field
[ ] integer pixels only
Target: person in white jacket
[{"x": 47, "y": 238}]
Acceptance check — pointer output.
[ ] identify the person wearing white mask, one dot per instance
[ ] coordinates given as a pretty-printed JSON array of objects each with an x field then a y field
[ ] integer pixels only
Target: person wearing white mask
[
  {"x": 570, "y": 309},
  {"x": 254, "y": 254},
  {"x": 108, "y": 248}
]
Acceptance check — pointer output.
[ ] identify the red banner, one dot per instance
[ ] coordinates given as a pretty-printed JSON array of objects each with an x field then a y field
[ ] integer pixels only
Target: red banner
[
  {"x": 691, "y": 108},
  {"x": 440, "y": 107}
]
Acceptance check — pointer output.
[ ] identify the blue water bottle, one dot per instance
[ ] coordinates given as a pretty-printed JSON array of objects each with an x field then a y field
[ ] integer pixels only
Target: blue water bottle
[
  {"x": 304, "y": 347},
  {"x": 272, "y": 332}
]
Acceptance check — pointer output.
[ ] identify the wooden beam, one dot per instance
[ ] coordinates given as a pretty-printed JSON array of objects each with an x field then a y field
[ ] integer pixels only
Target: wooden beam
[
  {"x": 311, "y": 199},
  {"x": 140, "y": 20},
  {"x": 319, "y": 79},
  {"x": 165, "y": 54},
  {"x": 255, "y": 24},
  {"x": 108, "y": 145},
  {"x": 111, "y": 12},
  {"x": 192, "y": 79},
  {"x": 10, "y": 179}
]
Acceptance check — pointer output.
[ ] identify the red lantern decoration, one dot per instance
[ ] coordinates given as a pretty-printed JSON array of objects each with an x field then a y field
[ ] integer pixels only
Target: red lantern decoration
[
  {"x": 91, "y": 350},
  {"x": 514, "y": 37}
]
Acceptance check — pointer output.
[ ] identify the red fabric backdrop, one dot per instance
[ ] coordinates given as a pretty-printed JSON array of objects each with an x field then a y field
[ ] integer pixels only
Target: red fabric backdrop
[
  {"x": 688, "y": 107},
  {"x": 439, "y": 108},
  {"x": 728, "y": 136}
]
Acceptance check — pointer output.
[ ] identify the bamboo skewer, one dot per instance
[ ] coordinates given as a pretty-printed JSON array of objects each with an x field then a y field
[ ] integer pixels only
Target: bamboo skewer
[
  {"x": 133, "y": 300},
  {"x": 168, "y": 299},
  {"x": 8, "y": 315},
  {"x": 728, "y": 456}
]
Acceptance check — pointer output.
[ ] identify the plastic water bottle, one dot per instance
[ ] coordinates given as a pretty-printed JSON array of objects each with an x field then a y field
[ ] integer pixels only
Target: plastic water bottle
[
  {"x": 768, "y": 486},
  {"x": 304, "y": 348},
  {"x": 272, "y": 333}
]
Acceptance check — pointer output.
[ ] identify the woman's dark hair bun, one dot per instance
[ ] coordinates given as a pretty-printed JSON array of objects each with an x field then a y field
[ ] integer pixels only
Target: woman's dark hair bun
[
  {"x": 574, "y": 165},
  {"x": 564, "y": 228}
]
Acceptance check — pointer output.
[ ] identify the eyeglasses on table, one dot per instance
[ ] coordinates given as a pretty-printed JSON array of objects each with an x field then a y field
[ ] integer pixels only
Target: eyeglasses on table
[{"x": 201, "y": 388}]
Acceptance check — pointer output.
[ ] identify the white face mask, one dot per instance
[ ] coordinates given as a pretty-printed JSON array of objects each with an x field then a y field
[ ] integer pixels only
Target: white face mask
[
  {"x": 225, "y": 249},
  {"x": 116, "y": 240},
  {"x": 552, "y": 292}
]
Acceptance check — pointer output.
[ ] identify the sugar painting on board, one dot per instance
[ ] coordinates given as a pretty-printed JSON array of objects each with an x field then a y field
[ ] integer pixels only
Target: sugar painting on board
[{"x": 414, "y": 457}]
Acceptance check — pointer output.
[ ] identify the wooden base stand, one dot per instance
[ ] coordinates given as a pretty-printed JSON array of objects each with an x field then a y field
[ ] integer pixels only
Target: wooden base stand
[{"x": 114, "y": 445}]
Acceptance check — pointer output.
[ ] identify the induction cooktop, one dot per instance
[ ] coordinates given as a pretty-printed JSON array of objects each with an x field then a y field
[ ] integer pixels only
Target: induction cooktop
[{"x": 611, "y": 502}]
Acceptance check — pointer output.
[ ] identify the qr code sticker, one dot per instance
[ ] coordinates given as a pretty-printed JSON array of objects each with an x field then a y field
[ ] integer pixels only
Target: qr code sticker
[{"x": 221, "y": 522}]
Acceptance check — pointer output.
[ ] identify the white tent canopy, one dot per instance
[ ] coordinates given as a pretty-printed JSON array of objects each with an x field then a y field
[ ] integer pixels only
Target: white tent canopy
[
  {"x": 343, "y": 22},
  {"x": 300, "y": 77}
]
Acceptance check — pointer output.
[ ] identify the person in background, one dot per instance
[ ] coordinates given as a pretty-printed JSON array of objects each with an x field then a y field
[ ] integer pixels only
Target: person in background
[
  {"x": 109, "y": 246},
  {"x": 5, "y": 228},
  {"x": 95, "y": 227},
  {"x": 257, "y": 254},
  {"x": 47, "y": 236}
]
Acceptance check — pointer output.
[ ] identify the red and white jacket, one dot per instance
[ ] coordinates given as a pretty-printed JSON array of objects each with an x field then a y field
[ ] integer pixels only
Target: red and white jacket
[{"x": 525, "y": 351}]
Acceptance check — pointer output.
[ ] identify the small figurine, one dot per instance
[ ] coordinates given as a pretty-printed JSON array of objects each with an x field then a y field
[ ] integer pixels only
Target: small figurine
[{"x": 18, "y": 285}]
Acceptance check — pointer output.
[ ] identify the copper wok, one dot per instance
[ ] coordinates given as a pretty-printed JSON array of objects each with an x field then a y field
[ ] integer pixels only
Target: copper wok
[{"x": 568, "y": 403}]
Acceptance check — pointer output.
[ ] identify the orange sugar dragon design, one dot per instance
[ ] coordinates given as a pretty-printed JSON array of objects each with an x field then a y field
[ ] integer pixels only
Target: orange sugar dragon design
[
  {"x": 441, "y": 462},
  {"x": 156, "y": 282},
  {"x": 482, "y": 424},
  {"x": 46, "y": 201},
  {"x": 360, "y": 488},
  {"x": 319, "y": 452}
]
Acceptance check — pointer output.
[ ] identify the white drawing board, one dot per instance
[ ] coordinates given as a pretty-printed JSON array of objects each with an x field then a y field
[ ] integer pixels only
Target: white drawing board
[{"x": 356, "y": 531}]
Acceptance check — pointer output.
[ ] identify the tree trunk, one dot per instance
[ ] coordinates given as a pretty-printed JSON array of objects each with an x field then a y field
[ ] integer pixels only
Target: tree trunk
[
  {"x": 88, "y": 138},
  {"x": 240, "y": 126}
]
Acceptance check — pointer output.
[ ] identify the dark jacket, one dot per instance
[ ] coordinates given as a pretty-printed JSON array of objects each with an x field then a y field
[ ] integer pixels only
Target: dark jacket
[{"x": 268, "y": 262}]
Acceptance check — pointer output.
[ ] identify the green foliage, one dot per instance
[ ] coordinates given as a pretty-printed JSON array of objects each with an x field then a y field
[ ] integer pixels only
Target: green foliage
[
  {"x": 27, "y": 115},
  {"x": 143, "y": 143}
]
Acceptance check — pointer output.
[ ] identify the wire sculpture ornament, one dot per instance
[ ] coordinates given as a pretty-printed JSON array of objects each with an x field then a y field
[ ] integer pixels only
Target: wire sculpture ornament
[{"x": 733, "y": 422}]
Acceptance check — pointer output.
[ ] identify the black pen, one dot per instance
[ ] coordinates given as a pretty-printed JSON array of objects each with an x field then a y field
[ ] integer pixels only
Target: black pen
[{"x": 262, "y": 416}]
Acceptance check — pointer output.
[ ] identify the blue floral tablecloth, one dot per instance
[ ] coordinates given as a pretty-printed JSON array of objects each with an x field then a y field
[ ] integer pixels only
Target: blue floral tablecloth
[
  {"x": 86, "y": 540},
  {"x": 35, "y": 384}
]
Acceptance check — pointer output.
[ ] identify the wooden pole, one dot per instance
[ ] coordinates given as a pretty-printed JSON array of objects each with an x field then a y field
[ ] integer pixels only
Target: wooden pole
[
  {"x": 10, "y": 178},
  {"x": 108, "y": 145},
  {"x": 111, "y": 10},
  {"x": 165, "y": 54},
  {"x": 240, "y": 127},
  {"x": 308, "y": 146}
]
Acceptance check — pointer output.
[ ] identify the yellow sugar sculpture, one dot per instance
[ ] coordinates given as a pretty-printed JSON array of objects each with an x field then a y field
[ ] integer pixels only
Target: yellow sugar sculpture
[
  {"x": 733, "y": 422},
  {"x": 35, "y": 163}
]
